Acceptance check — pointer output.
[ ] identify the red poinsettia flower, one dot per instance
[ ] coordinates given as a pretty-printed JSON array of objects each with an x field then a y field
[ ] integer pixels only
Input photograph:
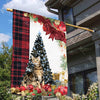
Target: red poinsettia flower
[
  {"x": 62, "y": 27},
  {"x": 41, "y": 19},
  {"x": 49, "y": 29}
]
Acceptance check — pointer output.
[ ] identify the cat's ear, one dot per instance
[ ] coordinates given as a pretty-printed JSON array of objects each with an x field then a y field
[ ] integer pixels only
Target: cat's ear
[{"x": 33, "y": 59}]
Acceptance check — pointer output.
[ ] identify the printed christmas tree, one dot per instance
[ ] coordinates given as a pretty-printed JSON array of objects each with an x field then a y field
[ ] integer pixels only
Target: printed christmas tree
[{"x": 39, "y": 50}]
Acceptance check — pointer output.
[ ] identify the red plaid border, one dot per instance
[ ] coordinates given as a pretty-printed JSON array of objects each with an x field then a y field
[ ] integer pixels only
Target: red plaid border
[{"x": 20, "y": 56}]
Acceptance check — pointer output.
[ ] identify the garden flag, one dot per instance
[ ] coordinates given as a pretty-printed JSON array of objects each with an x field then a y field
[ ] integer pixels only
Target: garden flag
[{"x": 38, "y": 42}]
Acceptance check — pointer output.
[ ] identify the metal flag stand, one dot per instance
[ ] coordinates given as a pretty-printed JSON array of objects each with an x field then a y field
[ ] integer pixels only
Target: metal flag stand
[{"x": 83, "y": 28}]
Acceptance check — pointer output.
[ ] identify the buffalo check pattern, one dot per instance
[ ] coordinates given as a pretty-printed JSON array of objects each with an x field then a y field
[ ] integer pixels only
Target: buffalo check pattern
[{"x": 20, "y": 56}]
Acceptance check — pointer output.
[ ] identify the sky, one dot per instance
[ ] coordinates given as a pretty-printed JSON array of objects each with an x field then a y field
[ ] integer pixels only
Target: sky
[{"x": 6, "y": 18}]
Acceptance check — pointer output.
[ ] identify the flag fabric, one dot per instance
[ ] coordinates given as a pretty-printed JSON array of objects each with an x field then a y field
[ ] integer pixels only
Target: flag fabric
[
  {"x": 20, "y": 54},
  {"x": 26, "y": 28}
]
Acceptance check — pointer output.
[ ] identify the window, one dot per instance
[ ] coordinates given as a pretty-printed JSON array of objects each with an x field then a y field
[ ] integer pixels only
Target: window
[
  {"x": 90, "y": 78},
  {"x": 80, "y": 82},
  {"x": 68, "y": 17},
  {"x": 77, "y": 83}
]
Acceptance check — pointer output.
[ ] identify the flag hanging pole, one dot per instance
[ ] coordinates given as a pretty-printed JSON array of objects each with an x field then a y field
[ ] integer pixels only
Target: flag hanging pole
[
  {"x": 8, "y": 9},
  {"x": 87, "y": 29},
  {"x": 83, "y": 28}
]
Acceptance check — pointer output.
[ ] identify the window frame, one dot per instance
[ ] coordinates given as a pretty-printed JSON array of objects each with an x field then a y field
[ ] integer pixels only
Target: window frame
[{"x": 84, "y": 74}]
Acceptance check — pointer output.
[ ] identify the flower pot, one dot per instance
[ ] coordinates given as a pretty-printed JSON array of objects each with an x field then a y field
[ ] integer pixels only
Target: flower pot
[
  {"x": 49, "y": 98},
  {"x": 37, "y": 98}
]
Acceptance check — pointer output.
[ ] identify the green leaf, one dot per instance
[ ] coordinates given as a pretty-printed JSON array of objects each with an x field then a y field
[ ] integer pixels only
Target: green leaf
[
  {"x": 35, "y": 91},
  {"x": 35, "y": 19},
  {"x": 28, "y": 93}
]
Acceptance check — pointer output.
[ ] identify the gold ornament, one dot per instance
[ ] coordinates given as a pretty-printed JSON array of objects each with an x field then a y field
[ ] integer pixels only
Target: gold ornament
[
  {"x": 56, "y": 76},
  {"x": 53, "y": 86},
  {"x": 62, "y": 77},
  {"x": 25, "y": 14},
  {"x": 58, "y": 94},
  {"x": 13, "y": 90},
  {"x": 18, "y": 93},
  {"x": 17, "y": 90},
  {"x": 57, "y": 22},
  {"x": 23, "y": 93},
  {"x": 63, "y": 72},
  {"x": 65, "y": 80},
  {"x": 64, "y": 47},
  {"x": 26, "y": 91}
]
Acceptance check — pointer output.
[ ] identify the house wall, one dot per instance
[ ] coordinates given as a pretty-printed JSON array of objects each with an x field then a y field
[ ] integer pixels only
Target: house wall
[
  {"x": 83, "y": 60},
  {"x": 88, "y": 12},
  {"x": 85, "y": 8},
  {"x": 97, "y": 49}
]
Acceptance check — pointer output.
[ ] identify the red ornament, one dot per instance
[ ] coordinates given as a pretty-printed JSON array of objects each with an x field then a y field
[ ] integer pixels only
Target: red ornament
[
  {"x": 63, "y": 90},
  {"x": 30, "y": 87},
  {"x": 35, "y": 21},
  {"x": 56, "y": 90},
  {"x": 64, "y": 55},
  {"x": 65, "y": 87},
  {"x": 39, "y": 91},
  {"x": 33, "y": 94},
  {"x": 49, "y": 89},
  {"x": 34, "y": 16},
  {"x": 59, "y": 87},
  {"x": 46, "y": 86},
  {"x": 17, "y": 88},
  {"x": 49, "y": 94},
  {"x": 22, "y": 88},
  {"x": 30, "y": 90},
  {"x": 61, "y": 45}
]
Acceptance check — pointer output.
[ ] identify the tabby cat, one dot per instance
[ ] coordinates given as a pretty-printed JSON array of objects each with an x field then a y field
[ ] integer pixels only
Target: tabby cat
[{"x": 36, "y": 76}]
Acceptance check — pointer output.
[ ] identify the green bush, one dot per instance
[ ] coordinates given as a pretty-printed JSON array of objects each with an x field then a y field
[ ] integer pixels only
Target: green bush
[
  {"x": 5, "y": 69},
  {"x": 92, "y": 94}
]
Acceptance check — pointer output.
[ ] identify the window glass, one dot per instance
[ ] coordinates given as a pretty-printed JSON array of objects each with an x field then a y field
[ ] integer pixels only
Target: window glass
[
  {"x": 77, "y": 84},
  {"x": 69, "y": 92},
  {"x": 81, "y": 82},
  {"x": 91, "y": 77}
]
